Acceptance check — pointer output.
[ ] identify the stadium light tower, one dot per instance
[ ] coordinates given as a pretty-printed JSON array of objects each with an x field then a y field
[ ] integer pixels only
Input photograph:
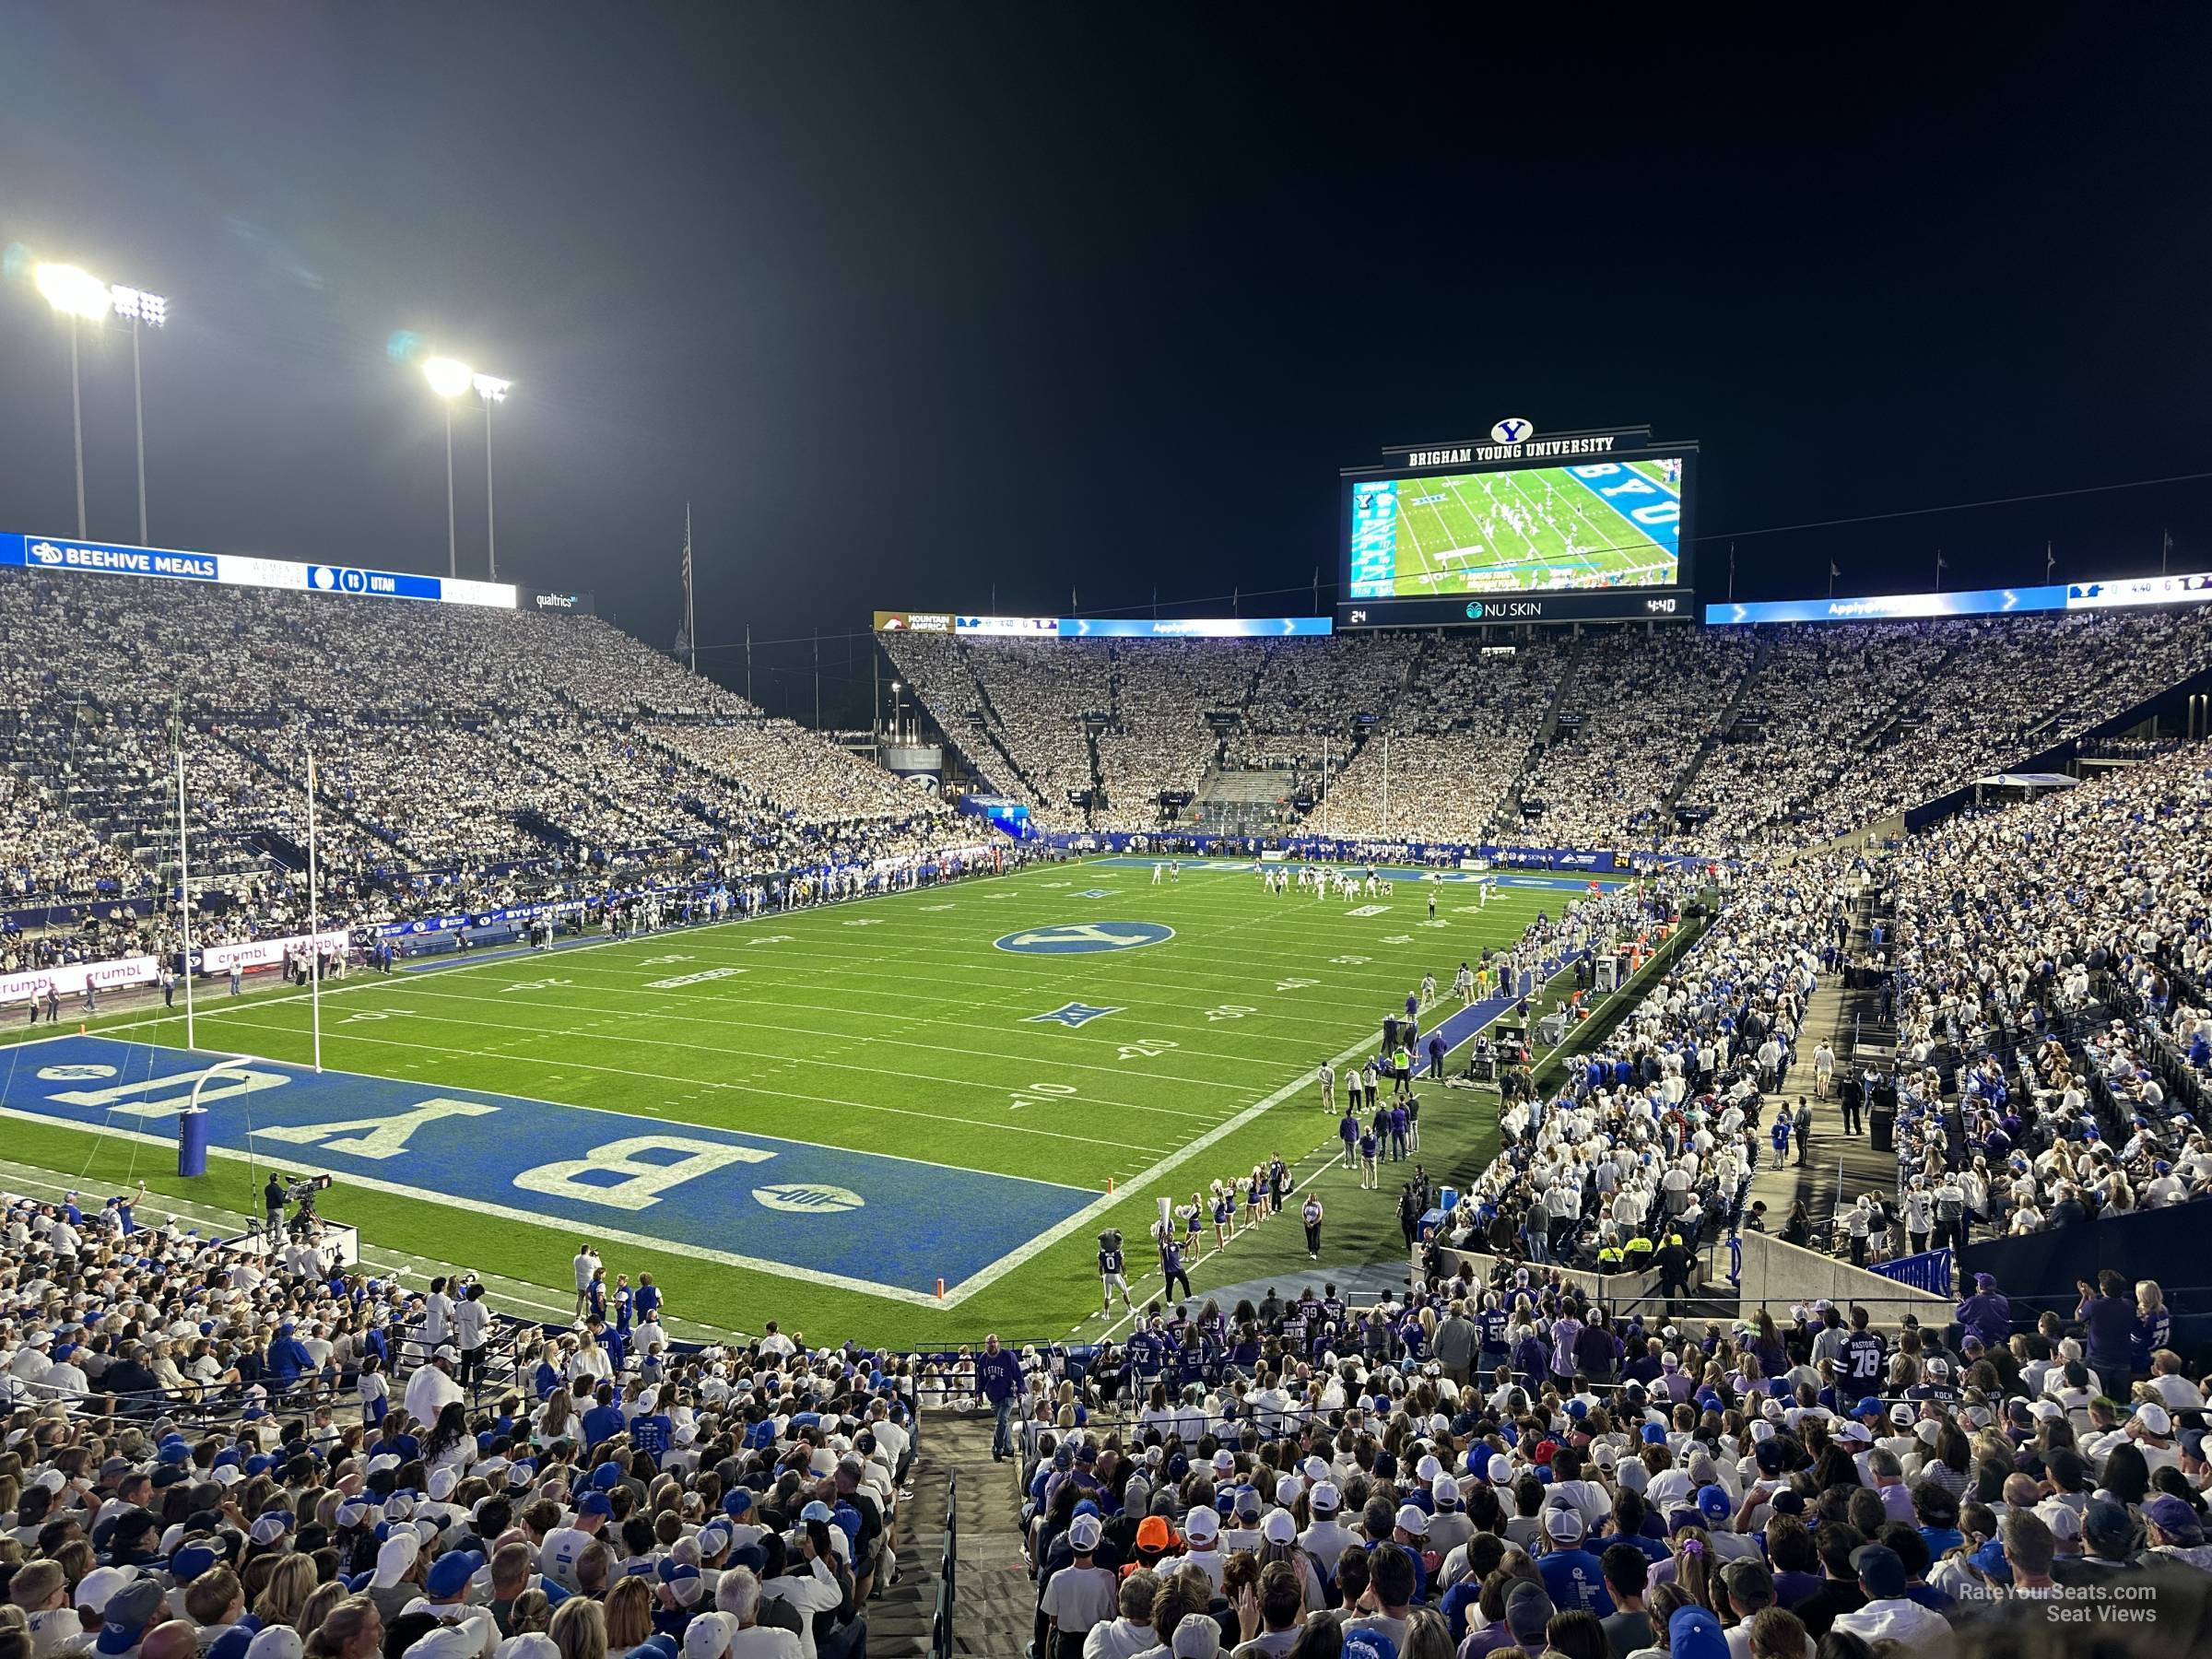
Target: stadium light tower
[
  {"x": 492, "y": 389},
  {"x": 82, "y": 298},
  {"x": 145, "y": 311},
  {"x": 448, "y": 377}
]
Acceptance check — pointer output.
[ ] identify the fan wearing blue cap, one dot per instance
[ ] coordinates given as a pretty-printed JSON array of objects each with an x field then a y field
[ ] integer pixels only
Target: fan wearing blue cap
[
  {"x": 1695, "y": 1633},
  {"x": 683, "y": 1588},
  {"x": 1891, "y": 1614},
  {"x": 448, "y": 1583},
  {"x": 557, "y": 1558}
]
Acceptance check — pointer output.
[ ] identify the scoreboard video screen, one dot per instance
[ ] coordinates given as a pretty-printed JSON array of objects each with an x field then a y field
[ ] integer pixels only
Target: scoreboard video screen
[{"x": 1587, "y": 526}]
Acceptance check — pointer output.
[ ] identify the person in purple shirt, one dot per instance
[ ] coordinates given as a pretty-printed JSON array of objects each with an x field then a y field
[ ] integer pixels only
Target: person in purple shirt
[
  {"x": 1532, "y": 1359},
  {"x": 2109, "y": 1312},
  {"x": 1987, "y": 1313},
  {"x": 1597, "y": 1349},
  {"x": 998, "y": 1374}
]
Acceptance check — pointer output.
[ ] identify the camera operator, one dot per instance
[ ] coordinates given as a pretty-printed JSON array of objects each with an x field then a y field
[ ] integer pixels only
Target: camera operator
[{"x": 306, "y": 1225}]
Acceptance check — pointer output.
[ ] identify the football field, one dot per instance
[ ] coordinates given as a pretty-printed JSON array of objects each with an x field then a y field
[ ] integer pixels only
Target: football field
[
  {"x": 901, "y": 1119},
  {"x": 1606, "y": 524}
]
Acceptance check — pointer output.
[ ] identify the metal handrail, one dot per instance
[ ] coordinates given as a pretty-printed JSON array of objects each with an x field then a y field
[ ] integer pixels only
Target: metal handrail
[{"x": 941, "y": 1644}]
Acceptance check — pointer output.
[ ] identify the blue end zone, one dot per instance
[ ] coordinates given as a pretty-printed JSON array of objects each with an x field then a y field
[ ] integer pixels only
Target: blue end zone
[
  {"x": 1645, "y": 505},
  {"x": 866, "y": 1221}
]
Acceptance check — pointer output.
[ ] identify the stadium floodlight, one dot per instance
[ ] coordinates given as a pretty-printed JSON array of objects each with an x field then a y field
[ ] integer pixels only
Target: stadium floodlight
[
  {"x": 135, "y": 305},
  {"x": 448, "y": 377},
  {"x": 140, "y": 309},
  {"x": 72, "y": 291},
  {"x": 81, "y": 297},
  {"x": 492, "y": 389}
]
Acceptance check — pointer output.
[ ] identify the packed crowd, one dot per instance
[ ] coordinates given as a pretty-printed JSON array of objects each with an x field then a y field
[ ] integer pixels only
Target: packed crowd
[
  {"x": 1772, "y": 738},
  {"x": 1647, "y": 1149},
  {"x": 489, "y": 756},
  {"x": 1496, "y": 1463},
  {"x": 1161, "y": 737},
  {"x": 1458, "y": 740},
  {"x": 1304, "y": 701},
  {"x": 215, "y": 1450},
  {"x": 498, "y": 737},
  {"x": 1951, "y": 701},
  {"x": 2054, "y": 971},
  {"x": 1644, "y": 704}
]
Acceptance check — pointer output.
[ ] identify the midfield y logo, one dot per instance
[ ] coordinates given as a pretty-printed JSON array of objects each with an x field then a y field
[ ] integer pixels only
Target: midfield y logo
[{"x": 1075, "y": 938}]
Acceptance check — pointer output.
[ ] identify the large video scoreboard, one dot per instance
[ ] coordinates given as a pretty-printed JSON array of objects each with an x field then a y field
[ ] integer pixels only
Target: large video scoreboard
[{"x": 1580, "y": 526}]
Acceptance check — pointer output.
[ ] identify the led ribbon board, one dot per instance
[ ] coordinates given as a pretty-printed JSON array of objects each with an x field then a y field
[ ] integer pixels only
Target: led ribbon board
[{"x": 61, "y": 555}]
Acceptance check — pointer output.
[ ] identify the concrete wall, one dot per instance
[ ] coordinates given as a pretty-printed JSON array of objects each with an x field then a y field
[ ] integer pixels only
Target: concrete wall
[
  {"x": 1778, "y": 1277},
  {"x": 1612, "y": 1289}
]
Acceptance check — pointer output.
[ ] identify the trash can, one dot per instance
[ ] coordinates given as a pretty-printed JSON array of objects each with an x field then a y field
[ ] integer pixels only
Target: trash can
[
  {"x": 1881, "y": 1128},
  {"x": 191, "y": 1141}
]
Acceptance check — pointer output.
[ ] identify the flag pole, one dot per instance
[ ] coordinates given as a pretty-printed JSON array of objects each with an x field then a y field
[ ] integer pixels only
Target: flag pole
[
  {"x": 315, "y": 920},
  {"x": 690, "y": 614},
  {"x": 183, "y": 875}
]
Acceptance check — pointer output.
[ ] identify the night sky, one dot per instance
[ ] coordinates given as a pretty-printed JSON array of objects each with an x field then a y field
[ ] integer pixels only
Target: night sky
[{"x": 914, "y": 301}]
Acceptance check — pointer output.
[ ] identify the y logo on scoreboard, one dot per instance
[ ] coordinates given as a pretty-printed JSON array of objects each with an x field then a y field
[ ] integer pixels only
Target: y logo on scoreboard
[
  {"x": 1075, "y": 938},
  {"x": 1512, "y": 430}
]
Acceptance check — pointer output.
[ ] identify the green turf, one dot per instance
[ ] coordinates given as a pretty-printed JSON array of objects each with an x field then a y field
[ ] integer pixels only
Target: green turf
[
  {"x": 1453, "y": 537},
  {"x": 894, "y": 1026}
]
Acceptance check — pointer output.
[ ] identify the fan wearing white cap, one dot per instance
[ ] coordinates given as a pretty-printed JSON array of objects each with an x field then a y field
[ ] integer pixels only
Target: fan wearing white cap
[
  {"x": 1574, "y": 1578},
  {"x": 1326, "y": 1538},
  {"x": 1450, "y": 1526},
  {"x": 1081, "y": 1593},
  {"x": 449, "y": 1641},
  {"x": 1202, "y": 1538}
]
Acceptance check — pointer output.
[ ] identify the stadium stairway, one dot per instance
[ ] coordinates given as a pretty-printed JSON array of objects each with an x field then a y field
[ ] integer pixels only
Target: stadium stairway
[
  {"x": 899, "y": 1615},
  {"x": 994, "y": 1605},
  {"x": 1837, "y": 1166},
  {"x": 1548, "y": 730},
  {"x": 1508, "y": 820},
  {"x": 1722, "y": 726},
  {"x": 993, "y": 725}
]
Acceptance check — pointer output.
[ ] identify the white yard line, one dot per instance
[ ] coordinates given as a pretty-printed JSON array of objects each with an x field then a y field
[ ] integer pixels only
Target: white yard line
[
  {"x": 977, "y": 1282},
  {"x": 787, "y": 1095}
]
